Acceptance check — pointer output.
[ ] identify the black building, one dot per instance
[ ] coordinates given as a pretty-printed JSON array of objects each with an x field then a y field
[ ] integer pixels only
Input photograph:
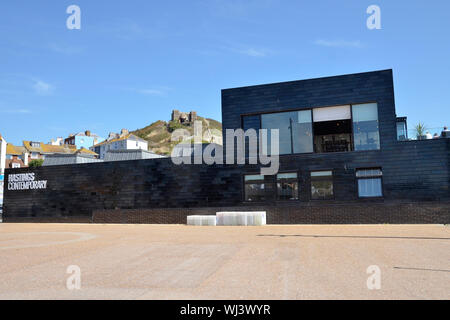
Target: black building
[{"x": 344, "y": 158}]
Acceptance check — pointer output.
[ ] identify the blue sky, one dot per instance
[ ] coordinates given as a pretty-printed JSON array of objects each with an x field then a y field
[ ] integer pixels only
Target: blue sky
[{"x": 133, "y": 61}]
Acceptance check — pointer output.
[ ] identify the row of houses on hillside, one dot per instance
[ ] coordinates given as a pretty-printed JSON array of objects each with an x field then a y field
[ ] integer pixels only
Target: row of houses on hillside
[
  {"x": 20, "y": 156},
  {"x": 117, "y": 147},
  {"x": 82, "y": 147},
  {"x": 115, "y": 141}
]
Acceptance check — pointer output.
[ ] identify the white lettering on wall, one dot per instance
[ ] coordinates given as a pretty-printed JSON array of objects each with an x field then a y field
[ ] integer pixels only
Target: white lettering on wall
[{"x": 25, "y": 181}]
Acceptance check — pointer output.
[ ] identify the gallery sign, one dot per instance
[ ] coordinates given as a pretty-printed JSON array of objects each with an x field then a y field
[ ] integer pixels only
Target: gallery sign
[{"x": 25, "y": 181}]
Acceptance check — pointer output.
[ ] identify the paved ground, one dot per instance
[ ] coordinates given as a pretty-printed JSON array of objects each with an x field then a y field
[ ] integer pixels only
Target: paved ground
[{"x": 181, "y": 262}]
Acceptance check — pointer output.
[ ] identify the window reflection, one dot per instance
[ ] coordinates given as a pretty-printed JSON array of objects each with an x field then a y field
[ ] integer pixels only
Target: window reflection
[
  {"x": 295, "y": 131},
  {"x": 287, "y": 186},
  {"x": 254, "y": 188},
  {"x": 365, "y": 127},
  {"x": 402, "y": 131},
  {"x": 321, "y": 185}
]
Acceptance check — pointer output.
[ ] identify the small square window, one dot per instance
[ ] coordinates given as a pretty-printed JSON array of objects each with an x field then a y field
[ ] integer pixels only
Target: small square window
[
  {"x": 369, "y": 183},
  {"x": 287, "y": 186},
  {"x": 322, "y": 185},
  {"x": 254, "y": 188}
]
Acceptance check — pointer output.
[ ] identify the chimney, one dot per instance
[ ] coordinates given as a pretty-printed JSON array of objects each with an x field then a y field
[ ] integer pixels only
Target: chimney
[
  {"x": 25, "y": 158},
  {"x": 87, "y": 133},
  {"x": 124, "y": 132}
]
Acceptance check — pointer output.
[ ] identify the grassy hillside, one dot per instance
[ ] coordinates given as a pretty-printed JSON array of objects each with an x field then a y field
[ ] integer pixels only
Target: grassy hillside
[{"x": 158, "y": 134}]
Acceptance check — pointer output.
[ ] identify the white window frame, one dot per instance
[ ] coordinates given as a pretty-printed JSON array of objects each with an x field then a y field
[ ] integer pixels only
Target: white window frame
[{"x": 373, "y": 176}]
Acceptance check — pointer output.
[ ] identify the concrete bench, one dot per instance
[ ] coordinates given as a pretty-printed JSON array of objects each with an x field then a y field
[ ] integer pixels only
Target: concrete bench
[
  {"x": 201, "y": 220},
  {"x": 241, "y": 218}
]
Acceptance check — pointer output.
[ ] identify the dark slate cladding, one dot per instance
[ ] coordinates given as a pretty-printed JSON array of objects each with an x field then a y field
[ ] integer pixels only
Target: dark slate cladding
[
  {"x": 251, "y": 122},
  {"x": 415, "y": 173},
  {"x": 77, "y": 190}
]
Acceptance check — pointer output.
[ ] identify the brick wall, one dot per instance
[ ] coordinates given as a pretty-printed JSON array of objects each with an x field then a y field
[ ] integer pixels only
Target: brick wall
[{"x": 344, "y": 213}]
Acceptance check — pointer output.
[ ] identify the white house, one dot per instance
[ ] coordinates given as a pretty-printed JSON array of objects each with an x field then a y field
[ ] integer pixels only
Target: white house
[
  {"x": 58, "y": 142},
  {"x": 3, "y": 145},
  {"x": 122, "y": 141},
  {"x": 2, "y": 167}
]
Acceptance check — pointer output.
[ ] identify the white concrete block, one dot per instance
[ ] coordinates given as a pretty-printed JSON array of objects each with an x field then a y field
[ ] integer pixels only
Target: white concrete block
[
  {"x": 209, "y": 220},
  {"x": 241, "y": 218},
  {"x": 201, "y": 220},
  {"x": 220, "y": 218}
]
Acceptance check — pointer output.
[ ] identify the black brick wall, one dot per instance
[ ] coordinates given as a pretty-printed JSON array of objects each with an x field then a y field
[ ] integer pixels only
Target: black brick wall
[
  {"x": 343, "y": 213},
  {"x": 415, "y": 173}
]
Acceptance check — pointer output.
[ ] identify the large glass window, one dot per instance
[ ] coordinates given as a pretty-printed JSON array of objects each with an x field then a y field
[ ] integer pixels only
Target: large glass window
[
  {"x": 295, "y": 131},
  {"x": 369, "y": 183},
  {"x": 287, "y": 186},
  {"x": 336, "y": 129},
  {"x": 254, "y": 188},
  {"x": 321, "y": 185},
  {"x": 332, "y": 129},
  {"x": 303, "y": 132},
  {"x": 365, "y": 126}
]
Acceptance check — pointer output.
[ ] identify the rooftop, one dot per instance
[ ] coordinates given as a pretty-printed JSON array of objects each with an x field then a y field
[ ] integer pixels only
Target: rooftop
[
  {"x": 48, "y": 148},
  {"x": 14, "y": 150},
  {"x": 134, "y": 154},
  {"x": 119, "y": 138},
  {"x": 86, "y": 152}
]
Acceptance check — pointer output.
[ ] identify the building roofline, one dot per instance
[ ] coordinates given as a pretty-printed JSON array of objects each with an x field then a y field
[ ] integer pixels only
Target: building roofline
[
  {"x": 311, "y": 79},
  {"x": 126, "y": 137},
  {"x": 132, "y": 150}
]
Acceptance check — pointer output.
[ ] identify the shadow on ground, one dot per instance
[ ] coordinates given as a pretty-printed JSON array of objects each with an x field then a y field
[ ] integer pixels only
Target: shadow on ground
[{"x": 352, "y": 237}]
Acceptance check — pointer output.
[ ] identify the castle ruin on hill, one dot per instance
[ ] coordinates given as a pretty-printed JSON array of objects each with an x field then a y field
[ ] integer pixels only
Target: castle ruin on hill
[{"x": 184, "y": 117}]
